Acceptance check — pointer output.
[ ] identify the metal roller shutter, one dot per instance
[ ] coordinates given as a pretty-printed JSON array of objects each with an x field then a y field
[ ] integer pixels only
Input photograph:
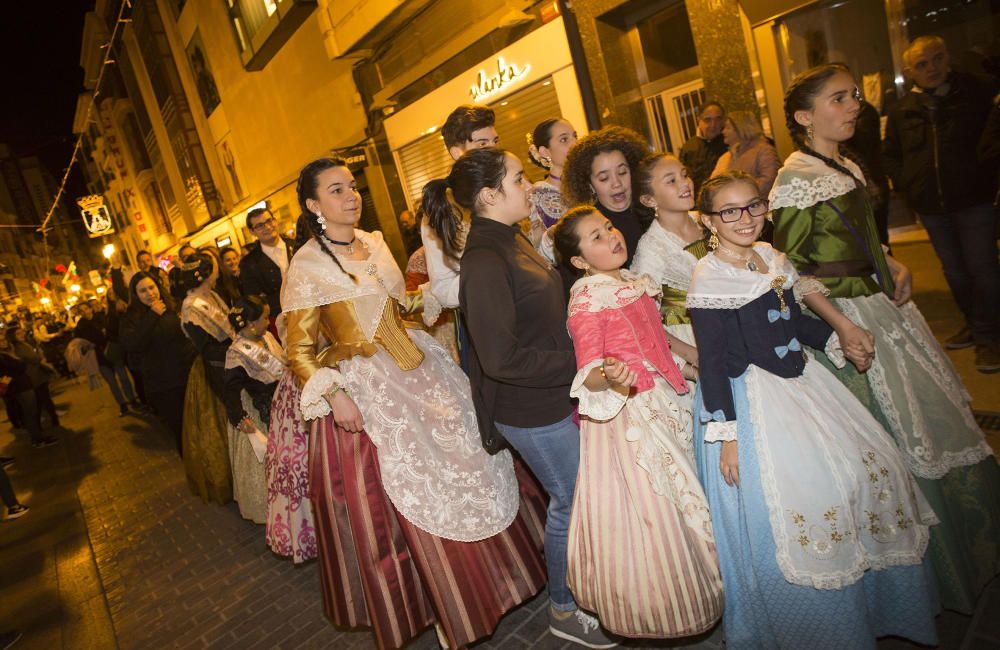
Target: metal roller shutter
[{"x": 517, "y": 115}]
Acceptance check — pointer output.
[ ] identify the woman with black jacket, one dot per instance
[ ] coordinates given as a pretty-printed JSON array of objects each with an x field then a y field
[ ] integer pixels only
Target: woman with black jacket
[
  {"x": 522, "y": 360},
  {"x": 150, "y": 332},
  {"x": 14, "y": 373}
]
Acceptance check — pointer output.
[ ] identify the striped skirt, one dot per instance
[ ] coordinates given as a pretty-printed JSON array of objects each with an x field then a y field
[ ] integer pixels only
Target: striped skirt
[
  {"x": 379, "y": 570},
  {"x": 641, "y": 552}
]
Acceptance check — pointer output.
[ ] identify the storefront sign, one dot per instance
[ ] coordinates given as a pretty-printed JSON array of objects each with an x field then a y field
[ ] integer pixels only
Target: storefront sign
[
  {"x": 95, "y": 215},
  {"x": 490, "y": 84}
]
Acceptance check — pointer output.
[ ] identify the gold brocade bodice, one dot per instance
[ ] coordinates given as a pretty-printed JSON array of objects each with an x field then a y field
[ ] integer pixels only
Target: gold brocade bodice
[{"x": 338, "y": 323}]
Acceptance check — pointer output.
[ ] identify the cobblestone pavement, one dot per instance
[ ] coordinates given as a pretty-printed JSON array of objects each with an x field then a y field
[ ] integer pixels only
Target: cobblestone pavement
[{"x": 117, "y": 553}]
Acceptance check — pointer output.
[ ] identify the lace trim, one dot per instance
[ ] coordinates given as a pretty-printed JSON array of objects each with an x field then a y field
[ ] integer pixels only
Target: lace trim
[
  {"x": 432, "y": 306},
  {"x": 803, "y": 193},
  {"x": 834, "y": 351},
  {"x": 596, "y": 293},
  {"x": 313, "y": 402},
  {"x": 835, "y": 579},
  {"x": 807, "y": 285},
  {"x": 661, "y": 255},
  {"x": 921, "y": 450},
  {"x": 720, "y": 431},
  {"x": 598, "y": 405}
]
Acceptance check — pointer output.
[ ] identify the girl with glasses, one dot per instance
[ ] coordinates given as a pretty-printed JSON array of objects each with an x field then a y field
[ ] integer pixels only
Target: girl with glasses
[{"x": 813, "y": 508}]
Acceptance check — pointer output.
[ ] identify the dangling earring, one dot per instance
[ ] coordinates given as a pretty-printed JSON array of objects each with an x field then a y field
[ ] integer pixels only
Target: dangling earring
[
  {"x": 713, "y": 241},
  {"x": 586, "y": 270},
  {"x": 321, "y": 220},
  {"x": 546, "y": 162},
  {"x": 656, "y": 212},
  {"x": 809, "y": 134}
]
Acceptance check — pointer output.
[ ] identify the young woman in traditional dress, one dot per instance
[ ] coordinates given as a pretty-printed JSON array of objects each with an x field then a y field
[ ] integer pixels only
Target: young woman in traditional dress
[
  {"x": 641, "y": 550},
  {"x": 823, "y": 222},
  {"x": 820, "y": 528},
  {"x": 205, "y": 320},
  {"x": 255, "y": 363},
  {"x": 417, "y": 524},
  {"x": 548, "y": 146}
]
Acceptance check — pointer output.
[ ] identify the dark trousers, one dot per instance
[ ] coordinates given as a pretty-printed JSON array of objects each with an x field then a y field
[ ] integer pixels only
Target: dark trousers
[
  {"x": 7, "y": 490},
  {"x": 13, "y": 411},
  {"x": 169, "y": 406},
  {"x": 965, "y": 241},
  {"x": 31, "y": 417},
  {"x": 43, "y": 398}
]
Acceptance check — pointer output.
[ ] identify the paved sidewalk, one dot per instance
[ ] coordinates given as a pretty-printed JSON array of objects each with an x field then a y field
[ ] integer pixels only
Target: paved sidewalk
[{"x": 117, "y": 553}]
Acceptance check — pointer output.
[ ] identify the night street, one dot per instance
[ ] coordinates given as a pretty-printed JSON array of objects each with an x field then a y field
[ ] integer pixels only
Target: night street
[{"x": 117, "y": 553}]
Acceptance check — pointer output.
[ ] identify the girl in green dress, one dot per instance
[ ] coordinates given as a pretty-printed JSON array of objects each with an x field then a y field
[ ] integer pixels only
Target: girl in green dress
[{"x": 823, "y": 222}]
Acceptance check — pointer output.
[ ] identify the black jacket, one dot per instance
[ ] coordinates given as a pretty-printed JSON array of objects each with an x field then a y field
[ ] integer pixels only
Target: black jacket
[
  {"x": 930, "y": 147},
  {"x": 700, "y": 156},
  {"x": 522, "y": 361},
  {"x": 157, "y": 346},
  {"x": 260, "y": 276}
]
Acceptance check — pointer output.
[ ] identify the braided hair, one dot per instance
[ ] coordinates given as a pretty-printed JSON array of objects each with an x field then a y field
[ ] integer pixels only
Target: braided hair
[
  {"x": 195, "y": 270},
  {"x": 801, "y": 96},
  {"x": 306, "y": 189}
]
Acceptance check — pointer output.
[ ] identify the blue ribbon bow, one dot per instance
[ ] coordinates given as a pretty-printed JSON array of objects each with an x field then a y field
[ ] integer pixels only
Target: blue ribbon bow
[
  {"x": 774, "y": 314},
  {"x": 716, "y": 416},
  {"x": 782, "y": 350}
]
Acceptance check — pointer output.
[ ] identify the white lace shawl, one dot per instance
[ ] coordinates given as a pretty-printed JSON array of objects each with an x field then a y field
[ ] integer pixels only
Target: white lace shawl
[
  {"x": 314, "y": 280},
  {"x": 805, "y": 180},
  {"x": 204, "y": 308},
  {"x": 263, "y": 360},
  {"x": 661, "y": 255},
  {"x": 718, "y": 285}
]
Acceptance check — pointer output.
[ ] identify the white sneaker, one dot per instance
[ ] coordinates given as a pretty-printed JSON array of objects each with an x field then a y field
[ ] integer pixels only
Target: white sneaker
[{"x": 580, "y": 628}]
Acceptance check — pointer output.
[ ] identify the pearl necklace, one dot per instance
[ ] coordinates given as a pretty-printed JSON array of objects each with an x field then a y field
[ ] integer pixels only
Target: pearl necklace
[{"x": 746, "y": 259}]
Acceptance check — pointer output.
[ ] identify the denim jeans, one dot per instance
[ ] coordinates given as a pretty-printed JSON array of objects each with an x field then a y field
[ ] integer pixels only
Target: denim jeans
[
  {"x": 553, "y": 454},
  {"x": 966, "y": 243},
  {"x": 114, "y": 377}
]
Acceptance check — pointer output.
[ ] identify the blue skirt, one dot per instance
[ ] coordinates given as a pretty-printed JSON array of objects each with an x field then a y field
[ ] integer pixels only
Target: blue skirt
[{"x": 763, "y": 610}]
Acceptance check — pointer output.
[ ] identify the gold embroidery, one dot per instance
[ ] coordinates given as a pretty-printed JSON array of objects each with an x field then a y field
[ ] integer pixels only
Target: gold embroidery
[
  {"x": 821, "y": 539},
  {"x": 778, "y": 285}
]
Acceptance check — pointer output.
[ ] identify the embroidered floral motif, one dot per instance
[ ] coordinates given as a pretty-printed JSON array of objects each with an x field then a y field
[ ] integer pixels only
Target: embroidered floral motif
[{"x": 821, "y": 539}]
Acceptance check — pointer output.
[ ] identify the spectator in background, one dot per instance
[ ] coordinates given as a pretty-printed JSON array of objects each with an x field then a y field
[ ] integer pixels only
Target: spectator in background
[
  {"x": 409, "y": 230},
  {"x": 264, "y": 267},
  {"x": 931, "y": 139},
  {"x": 702, "y": 151},
  {"x": 228, "y": 285},
  {"x": 152, "y": 337},
  {"x": 174, "y": 287},
  {"x": 39, "y": 372},
  {"x": 14, "y": 373},
  {"x": 93, "y": 329},
  {"x": 144, "y": 260},
  {"x": 749, "y": 151},
  {"x": 15, "y": 508}
]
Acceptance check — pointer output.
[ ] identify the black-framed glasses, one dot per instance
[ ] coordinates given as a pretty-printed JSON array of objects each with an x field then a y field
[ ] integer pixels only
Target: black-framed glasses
[
  {"x": 756, "y": 208},
  {"x": 266, "y": 223}
]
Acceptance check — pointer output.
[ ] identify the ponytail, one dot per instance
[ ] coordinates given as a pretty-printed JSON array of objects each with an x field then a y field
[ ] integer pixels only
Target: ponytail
[{"x": 443, "y": 216}]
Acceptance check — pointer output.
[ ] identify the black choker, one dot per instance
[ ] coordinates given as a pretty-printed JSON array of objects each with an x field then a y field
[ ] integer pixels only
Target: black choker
[{"x": 348, "y": 244}]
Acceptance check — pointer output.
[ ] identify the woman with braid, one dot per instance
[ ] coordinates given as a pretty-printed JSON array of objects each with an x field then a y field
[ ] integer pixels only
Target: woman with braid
[
  {"x": 416, "y": 524},
  {"x": 823, "y": 222}
]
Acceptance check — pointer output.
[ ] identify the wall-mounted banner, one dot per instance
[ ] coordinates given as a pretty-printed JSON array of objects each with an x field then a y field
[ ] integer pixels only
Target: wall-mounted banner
[{"x": 95, "y": 215}]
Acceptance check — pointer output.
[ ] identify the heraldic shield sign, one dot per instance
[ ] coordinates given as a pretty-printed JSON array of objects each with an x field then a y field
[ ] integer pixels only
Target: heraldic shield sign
[{"x": 96, "y": 217}]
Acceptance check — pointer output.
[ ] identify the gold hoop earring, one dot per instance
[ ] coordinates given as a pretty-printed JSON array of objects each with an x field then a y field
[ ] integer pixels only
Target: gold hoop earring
[{"x": 713, "y": 241}]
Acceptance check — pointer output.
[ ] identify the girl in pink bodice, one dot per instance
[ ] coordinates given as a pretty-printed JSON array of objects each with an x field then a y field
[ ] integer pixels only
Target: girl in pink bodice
[{"x": 641, "y": 550}]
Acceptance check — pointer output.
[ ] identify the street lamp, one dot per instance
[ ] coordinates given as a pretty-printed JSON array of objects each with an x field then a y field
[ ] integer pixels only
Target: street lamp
[
  {"x": 108, "y": 251},
  {"x": 46, "y": 300},
  {"x": 100, "y": 291},
  {"x": 75, "y": 288}
]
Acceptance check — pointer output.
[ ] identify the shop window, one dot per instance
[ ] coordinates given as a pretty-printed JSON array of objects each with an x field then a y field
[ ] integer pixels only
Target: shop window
[
  {"x": 262, "y": 27},
  {"x": 517, "y": 115}
]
